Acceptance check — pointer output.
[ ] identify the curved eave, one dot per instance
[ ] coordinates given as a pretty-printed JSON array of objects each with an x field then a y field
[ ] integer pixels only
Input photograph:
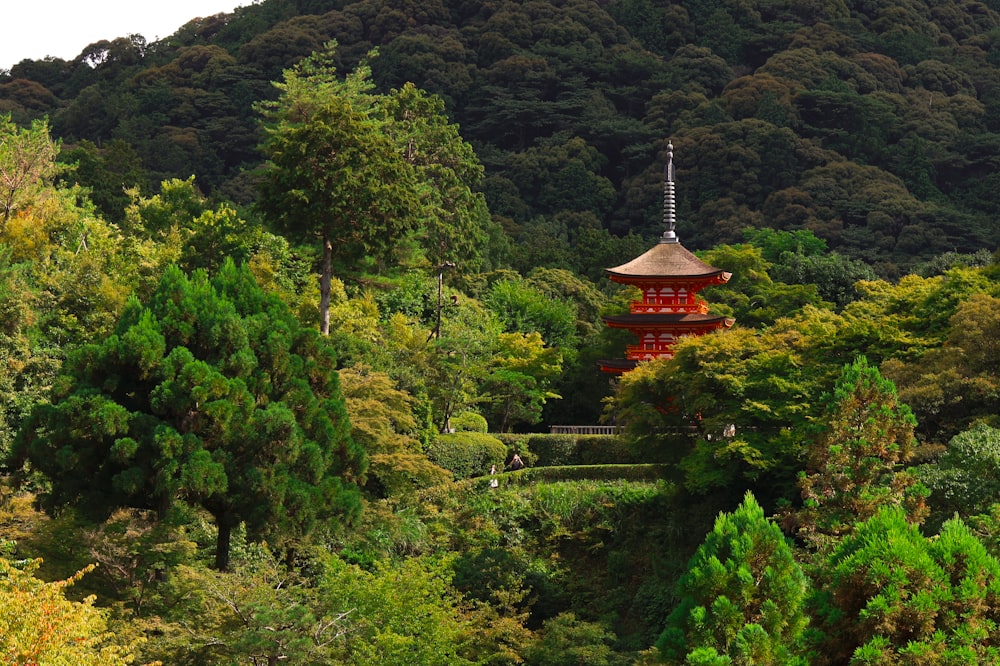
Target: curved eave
[
  {"x": 654, "y": 320},
  {"x": 666, "y": 261},
  {"x": 617, "y": 365}
]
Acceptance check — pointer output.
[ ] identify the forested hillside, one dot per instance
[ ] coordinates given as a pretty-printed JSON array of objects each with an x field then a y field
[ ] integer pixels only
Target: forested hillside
[
  {"x": 278, "y": 291},
  {"x": 871, "y": 124}
]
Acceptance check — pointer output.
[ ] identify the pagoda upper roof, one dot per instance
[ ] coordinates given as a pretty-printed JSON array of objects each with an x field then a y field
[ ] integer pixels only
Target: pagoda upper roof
[
  {"x": 667, "y": 259},
  {"x": 659, "y": 319}
]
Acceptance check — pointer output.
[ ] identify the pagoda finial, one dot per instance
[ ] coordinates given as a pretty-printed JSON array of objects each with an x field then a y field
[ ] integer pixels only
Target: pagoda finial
[{"x": 669, "y": 216}]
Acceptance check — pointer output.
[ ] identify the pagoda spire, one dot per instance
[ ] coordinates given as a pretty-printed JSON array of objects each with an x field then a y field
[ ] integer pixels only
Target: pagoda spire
[
  {"x": 669, "y": 211},
  {"x": 669, "y": 278}
]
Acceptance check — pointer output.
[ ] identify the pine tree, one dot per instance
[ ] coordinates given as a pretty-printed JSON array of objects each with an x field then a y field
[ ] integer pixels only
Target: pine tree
[
  {"x": 212, "y": 394},
  {"x": 742, "y": 598},
  {"x": 857, "y": 460}
]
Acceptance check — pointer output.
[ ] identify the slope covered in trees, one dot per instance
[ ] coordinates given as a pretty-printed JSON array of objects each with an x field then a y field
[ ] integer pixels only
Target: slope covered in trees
[
  {"x": 871, "y": 124},
  {"x": 183, "y": 221}
]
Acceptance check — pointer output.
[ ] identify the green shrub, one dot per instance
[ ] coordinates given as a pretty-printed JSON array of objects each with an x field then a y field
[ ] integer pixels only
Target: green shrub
[
  {"x": 606, "y": 450},
  {"x": 552, "y": 450},
  {"x": 467, "y": 454},
  {"x": 469, "y": 422},
  {"x": 516, "y": 442}
]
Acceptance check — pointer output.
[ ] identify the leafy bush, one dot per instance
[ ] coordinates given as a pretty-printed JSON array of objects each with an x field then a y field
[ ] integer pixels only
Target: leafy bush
[
  {"x": 605, "y": 450},
  {"x": 554, "y": 450},
  {"x": 565, "y": 639},
  {"x": 467, "y": 454},
  {"x": 591, "y": 473},
  {"x": 469, "y": 422},
  {"x": 548, "y": 450},
  {"x": 887, "y": 594}
]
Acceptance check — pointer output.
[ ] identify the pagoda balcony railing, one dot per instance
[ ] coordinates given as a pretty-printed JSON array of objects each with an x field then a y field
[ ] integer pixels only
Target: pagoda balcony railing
[
  {"x": 641, "y": 307},
  {"x": 640, "y": 353}
]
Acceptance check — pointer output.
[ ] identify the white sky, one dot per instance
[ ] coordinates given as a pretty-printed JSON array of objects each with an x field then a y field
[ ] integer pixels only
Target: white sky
[{"x": 63, "y": 28}]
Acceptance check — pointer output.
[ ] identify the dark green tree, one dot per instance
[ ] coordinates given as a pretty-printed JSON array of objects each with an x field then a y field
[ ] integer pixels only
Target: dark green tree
[
  {"x": 212, "y": 394},
  {"x": 368, "y": 173},
  {"x": 455, "y": 224}
]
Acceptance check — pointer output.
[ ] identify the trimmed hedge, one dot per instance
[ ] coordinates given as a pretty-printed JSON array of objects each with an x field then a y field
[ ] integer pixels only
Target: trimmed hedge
[
  {"x": 467, "y": 454},
  {"x": 532, "y": 475},
  {"x": 548, "y": 450}
]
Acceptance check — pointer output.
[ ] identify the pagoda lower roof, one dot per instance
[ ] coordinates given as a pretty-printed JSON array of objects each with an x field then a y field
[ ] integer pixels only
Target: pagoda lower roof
[
  {"x": 617, "y": 365},
  {"x": 658, "y": 319},
  {"x": 667, "y": 260}
]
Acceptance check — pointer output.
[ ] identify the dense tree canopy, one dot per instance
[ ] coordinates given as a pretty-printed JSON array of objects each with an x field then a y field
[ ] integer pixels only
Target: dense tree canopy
[
  {"x": 212, "y": 394},
  {"x": 459, "y": 175}
]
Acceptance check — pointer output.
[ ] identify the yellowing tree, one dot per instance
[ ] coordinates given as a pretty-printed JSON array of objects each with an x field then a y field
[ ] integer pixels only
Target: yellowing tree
[{"x": 39, "y": 626}]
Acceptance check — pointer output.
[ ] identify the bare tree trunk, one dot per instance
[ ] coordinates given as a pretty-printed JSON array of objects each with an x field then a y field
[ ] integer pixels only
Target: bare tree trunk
[{"x": 324, "y": 286}]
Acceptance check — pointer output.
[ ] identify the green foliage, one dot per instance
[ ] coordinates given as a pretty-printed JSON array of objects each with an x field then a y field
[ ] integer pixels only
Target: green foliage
[
  {"x": 522, "y": 308},
  {"x": 39, "y": 625},
  {"x": 108, "y": 172},
  {"x": 383, "y": 423},
  {"x": 856, "y": 464},
  {"x": 360, "y": 171},
  {"x": 467, "y": 454},
  {"x": 887, "y": 593},
  {"x": 192, "y": 399},
  {"x": 459, "y": 360},
  {"x": 562, "y": 449},
  {"x": 335, "y": 172},
  {"x": 134, "y": 553},
  {"x": 728, "y": 408},
  {"x": 191, "y": 233},
  {"x": 27, "y": 165},
  {"x": 801, "y": 258},
  {"x": 401, "y": 615},
  {"x": 469, "y": 422},
  {"x": 566, "y": 641},
  {"x": 952, "y": 386},
  {"x": 965, "y": 480},
  {"x": 742, "y": 599},
  {"x": 256, "y": 613},
  {"x": 518, "y": 384},
  {"x": 555, "y": 449},
  {"x": 594, "y": 472},
  {"x": 455, "y": 224},
  {"x": 752, "y": 297}
]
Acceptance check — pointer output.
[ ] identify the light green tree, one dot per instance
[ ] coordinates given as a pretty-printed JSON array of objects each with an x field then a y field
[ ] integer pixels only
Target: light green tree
[
  {"x": 742, "y": 598},
  {"x": 520, "y": 382},
  {"x": 27, "y": 163},
  {"x": 39, "y": 625},
  {"x": 887, "y": 594}
]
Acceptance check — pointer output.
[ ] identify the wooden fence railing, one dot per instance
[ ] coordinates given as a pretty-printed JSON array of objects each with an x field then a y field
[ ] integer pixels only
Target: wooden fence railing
[{"x": 583, "y": 430}]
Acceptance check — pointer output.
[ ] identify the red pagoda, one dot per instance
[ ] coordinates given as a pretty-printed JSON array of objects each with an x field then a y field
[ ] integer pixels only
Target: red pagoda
[{"x": 670, "y": 278}]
